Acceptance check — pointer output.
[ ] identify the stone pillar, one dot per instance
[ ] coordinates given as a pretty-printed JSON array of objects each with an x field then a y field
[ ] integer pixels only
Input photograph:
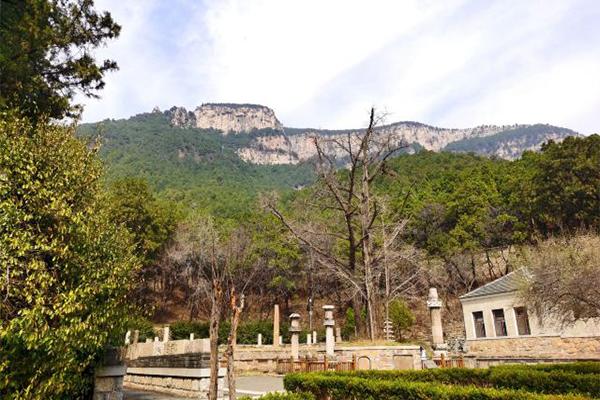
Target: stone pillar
[
  {"x": 435, "y": 310},
  {"x": 276, "y": 325},
  {"x": 329, "y": 325},
  {"x": 166, "y": 334},
  {"x": 308, "y": 338},
  {"x": 338, "y": 335},
  {"x": 127, "y": 338},
  {"x": 148, "y": 340},
  {"x": 156, "y": 338},
  {"x": 192, "y": 336},
  {"x": 108, "y": 379},
  {"x": 136, "y": 336},
  {"x": 280, "y": 340},
  {"x": 259, "y": 339},
  {"x": 295, "y": 331},
  {"x": 314, "y": 337}
]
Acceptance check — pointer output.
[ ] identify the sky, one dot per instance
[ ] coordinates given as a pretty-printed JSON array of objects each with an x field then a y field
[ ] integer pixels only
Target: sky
[{"x": 323, "y": 64}]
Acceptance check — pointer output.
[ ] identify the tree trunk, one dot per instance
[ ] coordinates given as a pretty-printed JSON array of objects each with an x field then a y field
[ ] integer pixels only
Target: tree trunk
[
  {"x": 231, "y": 343},
  {"x": 215, "y": 314}
]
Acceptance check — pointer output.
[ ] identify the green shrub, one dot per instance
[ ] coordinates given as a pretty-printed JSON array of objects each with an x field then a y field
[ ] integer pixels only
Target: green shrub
[
  {"x": 507, "y": 377},
  {"x": 283, "y": 396},
  {"x": 144, "y": 326},
  {"x": 582, "y": 367},
  {"x": 344, "y": 387},
  {"x": 182, "y": 329}
]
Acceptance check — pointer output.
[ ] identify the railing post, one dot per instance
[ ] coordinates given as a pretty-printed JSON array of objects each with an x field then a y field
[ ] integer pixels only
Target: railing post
[
  {"x": 443, "y": 360},
  {"x": 353, "y": 362},
  {"x": 325, "y": 363}
]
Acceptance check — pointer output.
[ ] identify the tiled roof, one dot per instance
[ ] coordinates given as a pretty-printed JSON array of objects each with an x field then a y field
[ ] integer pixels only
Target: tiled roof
[{"x": 508, "y": 283}]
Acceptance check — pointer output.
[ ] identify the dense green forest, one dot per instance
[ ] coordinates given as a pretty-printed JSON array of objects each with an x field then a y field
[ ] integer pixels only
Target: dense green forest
[{"x": 196, "y": 168}]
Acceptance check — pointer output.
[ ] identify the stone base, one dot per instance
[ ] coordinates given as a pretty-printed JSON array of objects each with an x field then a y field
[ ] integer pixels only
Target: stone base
[
  {"x": 543, "y": 347},
  {"x": 108, "y": 383}
]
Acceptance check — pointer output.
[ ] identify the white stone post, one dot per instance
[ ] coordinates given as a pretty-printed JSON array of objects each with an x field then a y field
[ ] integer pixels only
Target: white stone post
[
  {"x": 338, "y": 335},
  {"x": 276, "y": 341},
  {"x": 259, "y": 339},
  {"x": 127, "y": 338},
  {"x": 136, "y": 336},
  {"x": 314, "y": 337},
  {"x": 308, "y": 338},
  {"x": 280, "y": 340},
  {"x": 329, "y": 325},
  {"x": 166, "y": 334},
  {"x": 435, "y": 311},
  {"x": 295, "y": 331},
  {"x": 192, "y": 336}
]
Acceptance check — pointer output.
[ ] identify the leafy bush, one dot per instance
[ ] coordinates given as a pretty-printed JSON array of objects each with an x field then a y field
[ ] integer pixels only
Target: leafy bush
[
  {"x": 582, "y": 367},
  {"x": 401, "y": 316},
  {"x": 344, "y": 387},
  {"x": 144, "y": 326},
  {"x": 182, "y": 329},
  {"x": 70, "y": 271},
  {"x": 283, "y": 396},
  {"x": 508, "y": 377}
]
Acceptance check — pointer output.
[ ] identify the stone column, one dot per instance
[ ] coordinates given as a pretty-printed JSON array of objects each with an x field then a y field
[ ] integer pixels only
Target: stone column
[
  {"x": 166, "y": 334},
  {"x": 314, "y": 337},
  {"x": 308, "y": 338},
  {"x": 136, "y": 336},
  {"x": 127, "y": 338},
  {"x": 435, "y": 310},
  {"x": 259, "y": 339},
  {"x": 192, "y": 336},
  {"x": 329, "y": 325},
  {"x": 295, "y": 331},
  {"x": 276, "y": 325},
  {"x": 338, "y": 335}
]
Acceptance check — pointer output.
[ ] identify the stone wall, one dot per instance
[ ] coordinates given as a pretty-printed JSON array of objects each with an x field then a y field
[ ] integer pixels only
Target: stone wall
[
  {"x": 541, "y": 347},
  {"x": 263, "y": 359},
  {"x": 184, "y": 382},
  {"x": 108, "y": 379}
]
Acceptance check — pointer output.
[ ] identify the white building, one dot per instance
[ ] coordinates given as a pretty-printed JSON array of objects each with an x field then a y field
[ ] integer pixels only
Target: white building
[{"x": 498, "y": 324}]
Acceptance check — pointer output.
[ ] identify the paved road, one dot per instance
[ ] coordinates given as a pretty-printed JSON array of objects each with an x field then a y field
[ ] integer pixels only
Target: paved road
[{"x": 246, "y": 385}]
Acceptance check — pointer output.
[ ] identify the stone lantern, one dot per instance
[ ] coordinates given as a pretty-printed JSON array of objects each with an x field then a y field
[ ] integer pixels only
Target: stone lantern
[
  {"x": 329, "y": 326},
  {"x": 295, "y": 332}
]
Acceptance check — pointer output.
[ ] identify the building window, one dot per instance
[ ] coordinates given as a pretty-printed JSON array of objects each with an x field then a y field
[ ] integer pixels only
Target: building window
[
  {"x": 479, "y": 324},
  {"x": 522, "y": 321},
  {"x": 499, "y": 322}
]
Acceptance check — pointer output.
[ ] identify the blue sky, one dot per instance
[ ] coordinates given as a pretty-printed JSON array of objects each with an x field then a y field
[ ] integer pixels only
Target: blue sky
[{"x": 323, "y": 64}]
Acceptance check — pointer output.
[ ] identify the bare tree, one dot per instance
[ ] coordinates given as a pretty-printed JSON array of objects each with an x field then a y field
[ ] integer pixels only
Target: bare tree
[
  {"x": 562, "y": 278},
  {"x": 346, "y": 195}
]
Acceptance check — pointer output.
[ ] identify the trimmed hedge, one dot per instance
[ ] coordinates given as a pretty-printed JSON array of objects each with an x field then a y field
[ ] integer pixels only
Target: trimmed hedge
[
  {"x": 283, "y": 396},
  {"x": 344, "y": 387},
  {"x": 581, "y": 367},
  {"x": 507, "y": 377}
]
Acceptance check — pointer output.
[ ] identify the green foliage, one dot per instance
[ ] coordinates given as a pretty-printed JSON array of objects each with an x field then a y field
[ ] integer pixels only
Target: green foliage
[
  {"x": 342, "y": 386},
  {"x": 558, "y": 188},
  {"x": 283, "y": 396},
  {"x": 349, "y": 328},
  {"x": 150, "y": 221},
  {"x": 401, "y": 316},
  {"x": 143, "y": 325},
  {"x": 68, "y": 269},
  {"x": 525, "y": 136},
  {"x": 514, "y": 377},
  {"x": 581, "y": 367},
  {"x": 45, "y": 54},
  {"x": 194, "y": 167},
  {"x": 247, "y": 331}
]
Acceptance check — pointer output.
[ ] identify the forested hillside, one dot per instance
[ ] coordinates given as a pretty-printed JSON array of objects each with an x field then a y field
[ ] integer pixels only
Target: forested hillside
[{"x": 197, "y": 168}]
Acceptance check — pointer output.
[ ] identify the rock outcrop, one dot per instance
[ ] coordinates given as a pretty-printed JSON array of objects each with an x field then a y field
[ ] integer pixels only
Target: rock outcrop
[
  {"x": 227, "y": 118},
  {"x": 279, "y": 145}
]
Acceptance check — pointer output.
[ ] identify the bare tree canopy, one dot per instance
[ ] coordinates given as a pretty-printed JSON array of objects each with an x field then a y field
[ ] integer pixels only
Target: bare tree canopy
[{"x": 563, "y": 278}]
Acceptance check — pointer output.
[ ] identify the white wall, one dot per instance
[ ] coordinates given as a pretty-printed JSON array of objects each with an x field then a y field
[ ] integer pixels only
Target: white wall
[{"x": 507, "y": 302}]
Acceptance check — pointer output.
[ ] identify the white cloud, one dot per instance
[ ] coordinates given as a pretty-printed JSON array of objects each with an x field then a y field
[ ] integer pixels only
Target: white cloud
[{"x": 324, "y": 63}]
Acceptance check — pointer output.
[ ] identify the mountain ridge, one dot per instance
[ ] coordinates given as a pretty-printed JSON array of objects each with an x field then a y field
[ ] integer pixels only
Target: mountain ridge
[{"x": 279, "y": 144}]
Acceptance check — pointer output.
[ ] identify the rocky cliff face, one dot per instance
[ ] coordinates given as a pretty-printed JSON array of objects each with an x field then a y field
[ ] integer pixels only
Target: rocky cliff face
[
  {"x": 228, "y": 118},
  {"x": 292, "y": 146},
  {"x": 299, "y": 147}
]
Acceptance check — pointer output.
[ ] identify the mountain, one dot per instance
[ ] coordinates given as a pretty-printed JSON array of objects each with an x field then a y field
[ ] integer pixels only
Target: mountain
[
  {"x": 281, "y": 145},
  {"x": 219, "y": 157}
]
